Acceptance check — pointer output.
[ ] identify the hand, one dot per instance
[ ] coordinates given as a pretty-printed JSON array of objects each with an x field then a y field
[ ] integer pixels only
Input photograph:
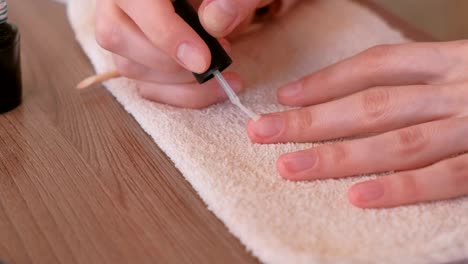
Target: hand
[
  {"x": 152, "y": 44},
  {"x": 406, "y": 107}
]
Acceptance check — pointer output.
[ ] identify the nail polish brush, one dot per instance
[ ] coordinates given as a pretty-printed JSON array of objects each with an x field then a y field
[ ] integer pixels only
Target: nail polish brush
[{"x": 220, "y": 60}]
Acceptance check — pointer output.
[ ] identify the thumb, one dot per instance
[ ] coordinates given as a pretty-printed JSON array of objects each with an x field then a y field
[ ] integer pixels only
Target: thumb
[{"x": 221, "y": 17}]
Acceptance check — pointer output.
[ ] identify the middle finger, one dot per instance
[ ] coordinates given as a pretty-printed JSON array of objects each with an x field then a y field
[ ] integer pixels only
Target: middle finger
[{"x": 375, "y": 110}]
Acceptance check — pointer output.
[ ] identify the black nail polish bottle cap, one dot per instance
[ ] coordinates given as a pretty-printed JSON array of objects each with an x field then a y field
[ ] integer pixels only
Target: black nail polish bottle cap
[
  {"x": 10, "y": 69},
  {"x": 220, "y": 60}
]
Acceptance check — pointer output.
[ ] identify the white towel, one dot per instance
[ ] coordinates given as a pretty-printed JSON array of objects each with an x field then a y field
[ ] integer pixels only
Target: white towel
[{"x": 280, "y": 221}]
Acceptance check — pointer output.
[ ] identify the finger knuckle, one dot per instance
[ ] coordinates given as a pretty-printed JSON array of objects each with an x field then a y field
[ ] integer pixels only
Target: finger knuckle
[
  {"x": 335, "y": 154},
  {"x": 128, "y": 68},
  {"x": 300, "y": 121},
  {"x": 376, "y": 104},
  {"x": 459, "y": 169},
  {"x": 144, "y": 91},
  {"x": 379, "y": 52},
  {"x": 376, "y": 60},
  {"x": 405, "y": 188},
  {"x": 459, "y": 166},
  {"x": 412, "y": 141},
  {"x": 108, "y": 34}
]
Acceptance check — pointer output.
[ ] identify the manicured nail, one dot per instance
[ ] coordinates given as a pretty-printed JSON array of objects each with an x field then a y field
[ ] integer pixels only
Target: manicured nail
[
  {"x": 219, "y": 15},
  {"x": 191, "y": 57},
  {"x": 291, "y": 90},
  {"x": 299, "y": 161},
  {"x": 367, "y": 191},
  {"x": 268, "y": 126}
]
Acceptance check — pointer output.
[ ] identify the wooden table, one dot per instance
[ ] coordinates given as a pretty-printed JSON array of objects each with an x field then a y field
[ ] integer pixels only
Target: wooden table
[{"x": 80, "y": 181}]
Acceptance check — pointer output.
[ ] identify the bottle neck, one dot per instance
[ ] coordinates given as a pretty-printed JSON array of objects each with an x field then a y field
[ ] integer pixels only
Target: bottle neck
[{"x": 3, "y": 11}]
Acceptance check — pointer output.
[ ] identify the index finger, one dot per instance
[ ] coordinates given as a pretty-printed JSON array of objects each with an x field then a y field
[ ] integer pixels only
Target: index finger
[
  {"x": 169, "y": 32},
  {"x": 385, "y": 65}
]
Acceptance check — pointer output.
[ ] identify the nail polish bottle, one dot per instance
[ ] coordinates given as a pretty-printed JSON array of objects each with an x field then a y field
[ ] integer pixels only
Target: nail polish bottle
[{"x": 10, "y": 69}]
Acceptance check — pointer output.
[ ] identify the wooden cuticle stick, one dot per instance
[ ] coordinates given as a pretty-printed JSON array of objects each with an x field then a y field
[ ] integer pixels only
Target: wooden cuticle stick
[{"x": 99, "y": 78}]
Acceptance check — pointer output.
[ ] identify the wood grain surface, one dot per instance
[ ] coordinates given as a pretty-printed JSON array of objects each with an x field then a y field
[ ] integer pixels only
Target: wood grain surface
[{"x": 80, "y": 181}]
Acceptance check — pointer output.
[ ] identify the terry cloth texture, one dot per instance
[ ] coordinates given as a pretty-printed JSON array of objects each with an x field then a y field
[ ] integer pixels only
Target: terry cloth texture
[{"x": 280, "y": 221}]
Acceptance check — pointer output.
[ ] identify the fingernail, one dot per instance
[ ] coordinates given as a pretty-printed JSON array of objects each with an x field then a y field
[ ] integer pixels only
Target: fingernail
[
  {"x": 191, "y": 57},
  {"x": 219, "y": 15},
  {"x": 268, "y": 126},
  {"x": 235, "y": 84},
  {"x": 292, "y": 90},
  {"x": 299, "y": 161},
  {"x": 367, "y": 191}
]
